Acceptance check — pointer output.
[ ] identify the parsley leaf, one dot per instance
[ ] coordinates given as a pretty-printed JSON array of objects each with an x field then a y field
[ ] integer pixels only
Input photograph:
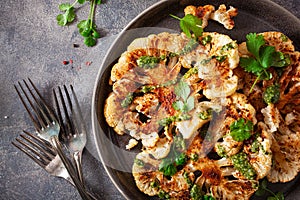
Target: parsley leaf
[
  {"x": 68, "y": 16},
  {"x": 241, "y": 130},
  {"x": 254, "y": 43},
  {"x": 263, "y": 57},
  {"x": 182, "y": 91},
  {"x": 190, "y": 24},
  {"x": 167, "y": 167}
]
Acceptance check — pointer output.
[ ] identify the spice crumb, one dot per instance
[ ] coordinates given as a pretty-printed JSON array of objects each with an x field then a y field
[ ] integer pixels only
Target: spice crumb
[
  {"x": 65, "y": 62},
  {"x": 88, "y": 63},
  {"x": 75, "y": 45}
]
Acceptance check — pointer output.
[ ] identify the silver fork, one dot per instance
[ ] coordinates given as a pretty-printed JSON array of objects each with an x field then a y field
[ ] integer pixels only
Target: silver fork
[
  {"x": 72, "y": 125},
  {"x": 43, "y": 153},
  {"x": 47, "y": 126}
]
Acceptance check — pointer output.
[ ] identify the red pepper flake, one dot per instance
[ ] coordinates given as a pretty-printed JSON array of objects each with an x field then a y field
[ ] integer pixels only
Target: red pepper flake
[
  {"x": 88, "y": 63},
  {"x": 71, "y": 61},
  {"x": 65, "y": 62}
]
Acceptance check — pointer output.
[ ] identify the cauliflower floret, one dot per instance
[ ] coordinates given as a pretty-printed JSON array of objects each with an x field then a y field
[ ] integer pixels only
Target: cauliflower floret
[
  {"x": 161, "y": 149},
  {"x": 189, "y": 128},
  {"x": 228, "y": 146},
  {"x": 113, "y": 113},
  {"x": 224, "y": 16},
  {"x": 207, "y": 12},
  {"x": 260, "y": 153},
  {"x": 203, "y": 12},
  {"x": 131, "y": 143},
  {"x": 234, "y": 189},
  {"x": 144, "y": 173},
  {"x": 271, "y": 117},
  {"x": 286, "y": 153}
]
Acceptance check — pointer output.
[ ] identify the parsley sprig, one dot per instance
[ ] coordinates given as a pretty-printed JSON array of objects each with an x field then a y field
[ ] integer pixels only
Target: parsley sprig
[
  {"x": 263, "y": 188},
  {"x": 263, "y": 57},
  {"x": 190, "y": 24},
  {"x": 87, "y": 28}
]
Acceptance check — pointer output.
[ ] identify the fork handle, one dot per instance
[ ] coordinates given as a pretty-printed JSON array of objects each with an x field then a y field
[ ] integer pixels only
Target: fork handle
[{"x": 84, "y": 195}]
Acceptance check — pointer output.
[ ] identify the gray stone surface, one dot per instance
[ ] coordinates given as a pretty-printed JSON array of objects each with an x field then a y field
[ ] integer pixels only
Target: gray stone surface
[{"x": 33, "y": 45}]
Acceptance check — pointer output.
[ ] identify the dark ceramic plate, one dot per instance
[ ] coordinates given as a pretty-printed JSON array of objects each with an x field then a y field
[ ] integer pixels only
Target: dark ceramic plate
[{"x": 254, "y": 16}]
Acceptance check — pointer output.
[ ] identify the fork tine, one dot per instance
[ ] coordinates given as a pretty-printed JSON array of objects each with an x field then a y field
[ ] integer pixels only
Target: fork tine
[
  {"x": 30, "y": 149},
  {"x": 35, "y": 123},
  {"x": 78, "y": 113},
  {"x": 44, "y": 104},
  {"x": 42, "y": 114},
  {"x": 68, "y": 118},
  {"x": 65, "y": 127},
  {"x": 43, "y": 146}
]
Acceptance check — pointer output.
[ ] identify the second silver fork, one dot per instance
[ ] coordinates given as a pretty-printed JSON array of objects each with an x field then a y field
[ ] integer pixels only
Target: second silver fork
[{"x": 72, "y": 125}]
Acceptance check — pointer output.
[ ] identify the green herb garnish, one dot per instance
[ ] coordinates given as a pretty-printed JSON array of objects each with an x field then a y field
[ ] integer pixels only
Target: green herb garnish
[
  {"x": 241, "y": 130},
  {"x": 69, "y": 14},
  {"x": 163, "y": 195},
  {"x": 191, "y": 72},
  {"x": 263, "y": 188},
  {"x": 185, "y": 103},
  {"x": 205, "y": 114},
  {"x": 263, "y": 57},
  {"x": 87, "y": 28},
  {"x": 190, "y": 24},
  {"x": 206, "y": 40},
  {"x": 272, "y": 94},
  {"x": 167, "y": 167},
  {"x": 127, "y": 101},
  {"x": 148, "y": 62},
  {"x": 241, "y": 163},
  {"x": 196, "y": 193},
  {"x": 194, "y": 157},
  {"x": 190, "y": 46},
  {"x": 139, "y": 162}
]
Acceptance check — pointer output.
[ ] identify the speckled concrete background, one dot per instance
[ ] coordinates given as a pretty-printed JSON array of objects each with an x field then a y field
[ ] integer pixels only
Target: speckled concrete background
[{"x": 33, "y": 45}]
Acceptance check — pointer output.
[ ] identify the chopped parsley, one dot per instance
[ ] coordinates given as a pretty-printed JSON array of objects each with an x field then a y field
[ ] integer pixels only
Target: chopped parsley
[
  {"x": 190, "y": 46},
  {"x": 148, "y": 62},
  {"x": 139, "y": 162},
  {"x": 128, "y": 100},
  {"x": 176, "y": 157},
  {"x": 194, "y": 157},
  {"x": 206, "y": 40},
  {"x": 272, "y": 94},
  {"x": 190, "y": 72},
  {"x": 241, "y": 163},
  {"x": 204, "y": 115},
  {"x": 196, "y": 193}
]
